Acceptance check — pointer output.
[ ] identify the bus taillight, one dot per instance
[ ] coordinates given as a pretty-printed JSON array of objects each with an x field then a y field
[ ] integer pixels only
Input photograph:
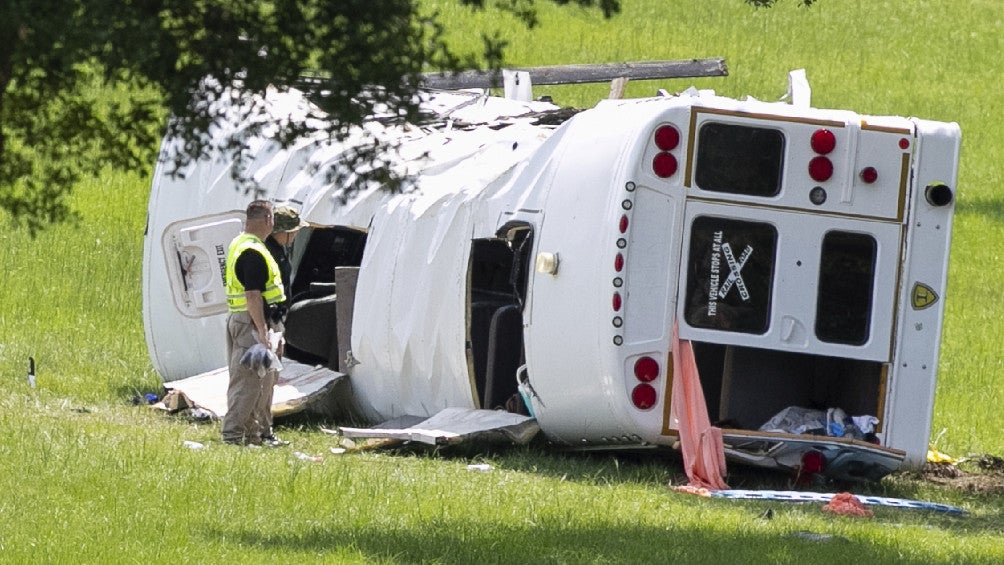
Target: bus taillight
[
  {"x": 646, "y": 369},
  {"x": 813, "y": 462},
  {"x": 667, "y": 138},
  {"x": 664, "y": 165},
  {"x": 643, "y": 396},
  {"x": 869, "y": 175},
  {"x": 820, "y": 169},
  {"x": 823, "y": 141}
]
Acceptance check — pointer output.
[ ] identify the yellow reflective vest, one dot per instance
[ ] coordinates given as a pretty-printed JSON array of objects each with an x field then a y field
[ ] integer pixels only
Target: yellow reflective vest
[{"x": 236, "y": 301}]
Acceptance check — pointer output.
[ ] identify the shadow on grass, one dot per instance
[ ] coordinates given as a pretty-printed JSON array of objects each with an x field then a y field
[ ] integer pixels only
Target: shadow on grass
[
  {"x": 657, "y": 466},
  {"x": 664, "y": 467},
  {"x": 991, "y": 209},
  {"x": 459, "y": 542}
]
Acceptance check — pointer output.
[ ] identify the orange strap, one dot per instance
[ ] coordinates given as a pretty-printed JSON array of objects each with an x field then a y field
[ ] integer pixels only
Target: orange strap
[{"x": 703, "y": 450}]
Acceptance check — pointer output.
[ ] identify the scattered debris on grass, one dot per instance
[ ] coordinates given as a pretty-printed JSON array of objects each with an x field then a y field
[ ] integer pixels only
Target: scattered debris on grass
[
  {"x": 846, "y": 504},
  {"x": 815, "y": 536},
  {"x": 986, "y": 477},
  {"x": 992, "y": 463}
]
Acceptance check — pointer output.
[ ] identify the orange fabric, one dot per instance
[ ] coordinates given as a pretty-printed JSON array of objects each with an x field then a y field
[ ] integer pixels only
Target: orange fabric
[
  {"x": 698, "y": 491},
  {"x": 703, "y": 450},
  {"x": 846, "y": 504}
]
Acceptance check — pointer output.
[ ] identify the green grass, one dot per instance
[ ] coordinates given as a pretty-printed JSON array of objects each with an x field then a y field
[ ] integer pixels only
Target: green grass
[{"x": 87, "y": 477}]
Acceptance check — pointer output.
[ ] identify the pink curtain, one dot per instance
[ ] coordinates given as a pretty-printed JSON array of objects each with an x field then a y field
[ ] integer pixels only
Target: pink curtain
[{"x": 703, "y": 450}]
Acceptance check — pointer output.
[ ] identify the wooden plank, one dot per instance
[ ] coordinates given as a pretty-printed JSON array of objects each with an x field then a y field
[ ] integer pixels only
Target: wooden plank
[
  {"x": 582, "y": 74},
  {"x": 617, "y": 88},
  {"x": 345, "y": 283}
]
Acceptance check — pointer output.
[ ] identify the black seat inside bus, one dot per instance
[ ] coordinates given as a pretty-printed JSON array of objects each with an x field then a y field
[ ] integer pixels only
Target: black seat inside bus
[
  {"x": 504, "y": 356},
  {"x": 483, "y": 308},
  {"x": 311, "y": 327}
]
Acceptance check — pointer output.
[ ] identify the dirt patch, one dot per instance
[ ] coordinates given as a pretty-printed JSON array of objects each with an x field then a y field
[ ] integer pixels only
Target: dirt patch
[
  {"x": 991, "y": 463},
  {"x": 985, "y": 477}
]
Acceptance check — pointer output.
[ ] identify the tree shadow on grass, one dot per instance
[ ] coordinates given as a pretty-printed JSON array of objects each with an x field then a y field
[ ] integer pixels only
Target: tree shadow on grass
[
  {"x": 461, "y": 542},
  {"x": 664, "y": 468}
]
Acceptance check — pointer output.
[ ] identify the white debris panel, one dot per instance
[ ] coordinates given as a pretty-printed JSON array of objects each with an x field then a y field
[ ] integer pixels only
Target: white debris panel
[{"x": 456, "y": 425}]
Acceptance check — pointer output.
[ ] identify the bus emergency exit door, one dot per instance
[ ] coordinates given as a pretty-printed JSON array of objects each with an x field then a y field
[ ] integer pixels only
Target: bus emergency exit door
[{"x": 788, "y": 280}]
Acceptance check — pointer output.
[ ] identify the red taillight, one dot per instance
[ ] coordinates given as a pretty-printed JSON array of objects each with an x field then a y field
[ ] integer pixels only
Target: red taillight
[
  {"x": 624, "y": 224},
  {"x": 643, "y": 396},
  {"x": 664, "y": 165},
  {"x": 823, "y": 141},
  {"x": 667, "y": 138},
  {"x": 904, "y": 143},
  {"x": 820, "y": 169},
  {"x": 617, "y": 302},
  {"x": 646, "y": 369},
  {"x": 619, "y": 263},
  {"x": 869, "y": 174},
  {"x": 813, "y": 462}
]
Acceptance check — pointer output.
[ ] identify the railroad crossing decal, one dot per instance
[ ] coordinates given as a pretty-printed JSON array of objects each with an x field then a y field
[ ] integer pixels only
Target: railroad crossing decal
[
  {"x": 719, "y": 287},
  {"x": 735, "y": 276}
]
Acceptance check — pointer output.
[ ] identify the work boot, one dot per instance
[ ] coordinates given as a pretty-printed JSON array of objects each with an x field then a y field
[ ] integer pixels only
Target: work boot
[{"x": 272, "y": 441}]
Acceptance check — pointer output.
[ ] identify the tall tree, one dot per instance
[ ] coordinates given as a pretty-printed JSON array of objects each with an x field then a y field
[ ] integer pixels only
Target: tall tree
[{"x": 88, "y": 84}]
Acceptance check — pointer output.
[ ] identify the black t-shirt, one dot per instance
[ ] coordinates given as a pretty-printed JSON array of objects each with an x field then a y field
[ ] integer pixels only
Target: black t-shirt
[
  {"x": 251, "y": 270},
  {"x": 282, "y": 260}
]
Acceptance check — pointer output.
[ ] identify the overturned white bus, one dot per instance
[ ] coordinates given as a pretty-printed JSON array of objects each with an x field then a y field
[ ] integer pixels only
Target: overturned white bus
[{"x": 803, "y": 251}]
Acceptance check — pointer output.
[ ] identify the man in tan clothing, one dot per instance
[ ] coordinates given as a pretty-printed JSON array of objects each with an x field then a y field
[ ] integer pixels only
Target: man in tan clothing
[{"x": 253, "y": 282}]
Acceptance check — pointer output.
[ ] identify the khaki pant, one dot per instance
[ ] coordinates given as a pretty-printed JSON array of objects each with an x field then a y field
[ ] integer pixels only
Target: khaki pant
[
  {"x": 263, "y": 412},
  {"x": 249, "y": 396}
]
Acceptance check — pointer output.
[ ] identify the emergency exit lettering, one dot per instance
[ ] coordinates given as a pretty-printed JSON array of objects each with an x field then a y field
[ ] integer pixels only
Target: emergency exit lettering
[
  {"x": 714, "y": 280},
  {"x": 221, "y": 258}
]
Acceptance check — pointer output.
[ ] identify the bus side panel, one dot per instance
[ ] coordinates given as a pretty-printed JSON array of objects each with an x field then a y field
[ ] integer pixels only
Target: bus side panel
[
  {"x": 568, "y": 341},
  {"x": 614, "y": 224},
  {"x": 922, "y": 292}
]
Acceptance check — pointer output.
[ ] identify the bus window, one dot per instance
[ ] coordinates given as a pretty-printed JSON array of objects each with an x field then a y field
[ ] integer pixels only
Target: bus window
[
  {"x": 846, "y": 281},
  {"x": 739, "y": 159},
  {"x": 730, "y": 274},
  {"x": 326, "y": 249}
]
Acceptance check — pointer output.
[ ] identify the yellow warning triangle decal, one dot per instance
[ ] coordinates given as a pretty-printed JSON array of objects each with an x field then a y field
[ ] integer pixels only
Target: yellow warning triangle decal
[{"x": 923, "y": 296}]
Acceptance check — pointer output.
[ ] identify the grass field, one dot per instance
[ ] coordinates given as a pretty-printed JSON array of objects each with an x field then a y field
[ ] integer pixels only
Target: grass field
[{"x": 88, "y": 477}]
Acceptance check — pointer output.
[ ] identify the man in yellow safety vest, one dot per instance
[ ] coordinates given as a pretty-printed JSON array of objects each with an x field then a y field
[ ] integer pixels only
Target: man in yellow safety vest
[{"x": 253, "y": 282}]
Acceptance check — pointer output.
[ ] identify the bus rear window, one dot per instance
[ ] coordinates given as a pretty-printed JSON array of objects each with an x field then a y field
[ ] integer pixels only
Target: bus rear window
[
  {"x": 846, "y": 281},
  {"x": 730, "y": 275},
  {"x": 739, "y": 159}
]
